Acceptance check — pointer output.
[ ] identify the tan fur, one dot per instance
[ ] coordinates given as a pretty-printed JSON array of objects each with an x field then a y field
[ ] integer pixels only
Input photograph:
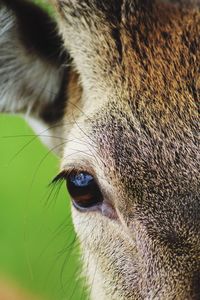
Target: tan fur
[
  {"x": 132, "y": 120},
  {"x": 143, "y": 139}
]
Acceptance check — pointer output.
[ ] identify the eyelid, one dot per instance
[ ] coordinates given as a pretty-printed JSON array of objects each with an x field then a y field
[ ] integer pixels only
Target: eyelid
[
  {"x": 83, "y": 165},
  {"x": 75, "y": 168}
]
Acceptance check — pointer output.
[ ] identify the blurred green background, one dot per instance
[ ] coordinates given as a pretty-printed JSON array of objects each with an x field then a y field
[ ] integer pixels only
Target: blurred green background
[{"x": 38, "y": 247}]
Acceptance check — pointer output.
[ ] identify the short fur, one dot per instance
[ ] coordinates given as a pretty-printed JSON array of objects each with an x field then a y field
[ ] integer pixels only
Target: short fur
[{"x": 131, "y": 117}]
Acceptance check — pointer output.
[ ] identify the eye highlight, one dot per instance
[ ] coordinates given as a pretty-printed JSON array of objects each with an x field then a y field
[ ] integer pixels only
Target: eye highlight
[{"x": 81, "y": 179}]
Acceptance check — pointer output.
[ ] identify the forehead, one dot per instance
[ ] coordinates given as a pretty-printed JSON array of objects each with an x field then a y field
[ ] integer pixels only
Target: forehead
[{"x": 151, "y": 121}]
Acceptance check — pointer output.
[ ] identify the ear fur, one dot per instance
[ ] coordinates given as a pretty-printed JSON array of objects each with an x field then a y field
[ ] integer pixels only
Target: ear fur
[{"x": 32, "y": 62}]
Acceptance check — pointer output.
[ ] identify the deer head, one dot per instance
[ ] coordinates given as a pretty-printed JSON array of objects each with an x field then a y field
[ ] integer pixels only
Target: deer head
[{"x": 120, "y": 81}]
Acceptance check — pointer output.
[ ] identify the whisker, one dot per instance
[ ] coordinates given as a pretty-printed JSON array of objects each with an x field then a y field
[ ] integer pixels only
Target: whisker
[
  {"x": 32, "y": 135},
  {"x": 42, "y": 160}
]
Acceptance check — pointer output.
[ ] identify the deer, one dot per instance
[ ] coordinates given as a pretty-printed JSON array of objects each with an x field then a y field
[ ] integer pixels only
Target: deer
[{"x": 116, "y": 84}]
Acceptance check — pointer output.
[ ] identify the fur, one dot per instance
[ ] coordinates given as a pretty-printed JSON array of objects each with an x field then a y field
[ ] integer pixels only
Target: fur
[{"x": 131, "y": 119}]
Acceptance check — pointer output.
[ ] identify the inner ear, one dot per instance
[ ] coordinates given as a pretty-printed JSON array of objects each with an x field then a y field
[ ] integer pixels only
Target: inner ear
[
  {"x": 34, "y": 65},
  {"x": 38, "y": 31}
]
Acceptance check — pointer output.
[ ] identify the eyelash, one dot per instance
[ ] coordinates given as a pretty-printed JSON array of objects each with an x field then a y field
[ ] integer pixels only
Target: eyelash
[{"x": 61, "y": 176}]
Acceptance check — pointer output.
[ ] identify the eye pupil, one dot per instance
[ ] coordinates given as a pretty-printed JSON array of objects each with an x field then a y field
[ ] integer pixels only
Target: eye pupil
[{"x": 84, "y": 190}]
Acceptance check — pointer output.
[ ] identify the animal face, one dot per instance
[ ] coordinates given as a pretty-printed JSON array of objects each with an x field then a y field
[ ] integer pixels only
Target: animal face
[{"x": 126, "y": 81}]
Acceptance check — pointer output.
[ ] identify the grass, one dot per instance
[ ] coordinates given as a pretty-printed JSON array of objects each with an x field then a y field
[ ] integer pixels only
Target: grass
[{"x": 44, "y": 5}]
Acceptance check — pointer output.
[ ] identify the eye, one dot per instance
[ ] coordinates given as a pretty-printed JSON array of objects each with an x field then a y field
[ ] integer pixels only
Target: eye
[{"x": 84, "y": 190}]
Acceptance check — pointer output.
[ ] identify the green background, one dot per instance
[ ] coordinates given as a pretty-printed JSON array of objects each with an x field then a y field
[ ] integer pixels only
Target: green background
[{"x": 38, "y": 246}]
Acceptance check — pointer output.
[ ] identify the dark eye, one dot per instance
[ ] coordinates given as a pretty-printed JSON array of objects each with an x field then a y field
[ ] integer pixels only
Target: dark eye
[{"x": 83, "y": 190}]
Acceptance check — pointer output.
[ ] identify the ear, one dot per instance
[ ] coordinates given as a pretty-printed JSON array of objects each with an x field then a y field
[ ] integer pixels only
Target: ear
[{"x": 32, "y": 59}]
